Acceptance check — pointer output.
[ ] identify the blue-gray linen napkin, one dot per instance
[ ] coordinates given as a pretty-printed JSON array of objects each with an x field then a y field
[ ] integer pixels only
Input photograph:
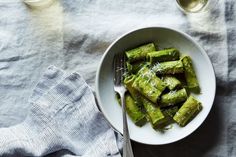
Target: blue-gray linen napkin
[{"x": 63, "y": 118}]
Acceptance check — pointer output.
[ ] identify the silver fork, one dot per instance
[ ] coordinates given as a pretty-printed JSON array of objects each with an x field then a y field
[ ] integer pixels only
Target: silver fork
[{"x": 119, "y": 70}]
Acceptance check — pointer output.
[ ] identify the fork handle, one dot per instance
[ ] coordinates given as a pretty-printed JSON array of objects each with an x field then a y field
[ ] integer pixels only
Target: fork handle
[{"x": 127, "y": 148}]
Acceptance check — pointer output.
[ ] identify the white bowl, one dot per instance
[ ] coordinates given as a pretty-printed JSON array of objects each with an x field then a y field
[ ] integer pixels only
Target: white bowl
[{"x": 164, "y": 37}]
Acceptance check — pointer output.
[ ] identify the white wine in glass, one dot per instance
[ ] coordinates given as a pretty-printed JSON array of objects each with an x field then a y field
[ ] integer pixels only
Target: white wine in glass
[{"x": 192, "y": 5}]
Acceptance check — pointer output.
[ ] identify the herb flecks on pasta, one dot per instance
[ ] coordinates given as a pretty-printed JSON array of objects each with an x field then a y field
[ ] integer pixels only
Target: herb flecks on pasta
[
  {"x": 163, "y": 55},
  {"x": 159, "y": 84}
]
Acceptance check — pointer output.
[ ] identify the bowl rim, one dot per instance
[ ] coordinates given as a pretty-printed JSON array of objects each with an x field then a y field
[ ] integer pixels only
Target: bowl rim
[{"x": 97, "y": 93}]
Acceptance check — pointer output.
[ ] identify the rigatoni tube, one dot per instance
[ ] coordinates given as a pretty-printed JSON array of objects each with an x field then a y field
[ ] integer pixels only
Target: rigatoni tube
[
  {"x": 134, "y": 111},
  {"x": 173, "y": 97},
  {"x": 163, "y": 55},
  {"x": 134, "y": 67},
  {"x": 171, "y": 82},
  {"x": 188, "y": 111},
  {"x": 190, "y": 74},
  {"x": 154, "y": 113},
  {"x": 129, "y": 80},
  {"x": 140, "y": 52},
  {"x": 148, "y": 84},
  {"x": 169, "y": 114},
  {"x": 170, "y": 67},
  {"x": 151, "y": 77}
]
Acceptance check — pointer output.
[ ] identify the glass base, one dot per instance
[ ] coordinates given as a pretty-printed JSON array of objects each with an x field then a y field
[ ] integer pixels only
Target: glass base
[{"x": 39, "y": 3}]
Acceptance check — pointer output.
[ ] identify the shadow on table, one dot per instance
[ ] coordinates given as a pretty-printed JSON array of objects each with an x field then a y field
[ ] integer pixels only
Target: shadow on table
[{"x": 197, "y": 144}]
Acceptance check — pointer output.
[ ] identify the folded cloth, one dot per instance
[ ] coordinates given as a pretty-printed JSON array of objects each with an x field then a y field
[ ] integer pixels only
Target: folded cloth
[{"x": 63, "y": 118}]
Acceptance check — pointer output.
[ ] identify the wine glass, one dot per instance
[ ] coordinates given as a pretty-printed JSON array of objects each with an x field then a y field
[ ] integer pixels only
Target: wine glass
[{"x": 195, "y": 6}]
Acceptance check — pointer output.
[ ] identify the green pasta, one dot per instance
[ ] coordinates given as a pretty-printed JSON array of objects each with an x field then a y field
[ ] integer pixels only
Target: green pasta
[
  {"x": 129, "y": 67},
  {"x": 134, "y": 111},
  {"x": 170, "y": 111},
  {"x": 133, "y": 68},
  {"x": 156, "y": 100},
  {"x": 140, "y": 53},
  {"x": 171, "y": 82},
  {"x": 154, "y": 113},
  {"x": 151, "y": 77},
  {"x": 146, "y": 89},
  {"x": 129, "y": 80},
  {"x": 188, "y": 111},
  {"x": 148, "y": 84},
  {"x": 169, "y": 114},
  {"x": 173, "y": 97},
  {"x": 190, "y": 74},
  {"x": 163, "y": 55},
  {"x": 170, "y": 67}
]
